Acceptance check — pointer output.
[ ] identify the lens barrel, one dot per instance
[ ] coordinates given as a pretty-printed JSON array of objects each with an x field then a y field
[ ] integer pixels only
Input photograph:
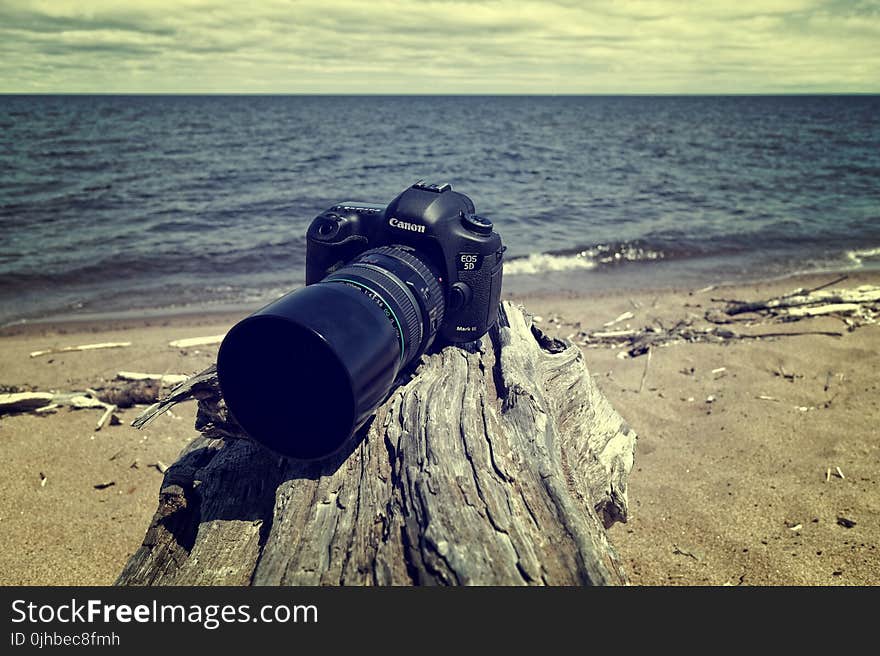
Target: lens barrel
[{"x": 302, "y": 374}]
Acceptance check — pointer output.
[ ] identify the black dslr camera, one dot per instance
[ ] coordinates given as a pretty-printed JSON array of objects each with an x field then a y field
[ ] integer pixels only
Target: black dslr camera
[{"x": 305, "y": 372}]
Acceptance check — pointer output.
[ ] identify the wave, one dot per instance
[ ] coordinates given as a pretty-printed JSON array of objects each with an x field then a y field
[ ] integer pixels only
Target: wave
[
  {"x": 858, "y": 256},
  {"x": 585, "y": 258},
  {"x": 604, "y": 255},
  {"x": 545, "y": 262}
]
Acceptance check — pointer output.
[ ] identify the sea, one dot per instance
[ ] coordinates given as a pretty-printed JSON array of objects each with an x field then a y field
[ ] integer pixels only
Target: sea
[{"x": 120, "y": 205}]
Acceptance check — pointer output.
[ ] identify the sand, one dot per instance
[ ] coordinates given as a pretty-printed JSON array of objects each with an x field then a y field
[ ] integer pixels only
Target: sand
[{"x": 731, "y": 491}]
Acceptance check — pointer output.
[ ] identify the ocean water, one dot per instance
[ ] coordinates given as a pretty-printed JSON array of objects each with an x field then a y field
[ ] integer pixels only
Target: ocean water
[{"x": 113, "y": 204}]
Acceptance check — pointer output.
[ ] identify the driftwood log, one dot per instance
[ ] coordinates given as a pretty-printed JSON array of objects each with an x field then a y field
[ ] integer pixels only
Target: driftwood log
[
  {"x": 498, "y": 464},
  {"x": 126, "y": 390},
  {"x": 854, "y": 307}
]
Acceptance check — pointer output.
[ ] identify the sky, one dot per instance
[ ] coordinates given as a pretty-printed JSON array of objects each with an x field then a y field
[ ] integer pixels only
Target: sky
[{"x": 461, "y": 46}]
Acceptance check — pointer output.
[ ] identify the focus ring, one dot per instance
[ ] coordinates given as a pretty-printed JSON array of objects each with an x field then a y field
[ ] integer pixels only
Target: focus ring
[
  {"x": 399, "y": 300},
  {"x": 409, "y": 313},
  {"x": 433, "y": 304}
]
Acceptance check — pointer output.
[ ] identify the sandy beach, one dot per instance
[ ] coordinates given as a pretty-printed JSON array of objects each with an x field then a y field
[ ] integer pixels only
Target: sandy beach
[{"x": 731, "y": 483}]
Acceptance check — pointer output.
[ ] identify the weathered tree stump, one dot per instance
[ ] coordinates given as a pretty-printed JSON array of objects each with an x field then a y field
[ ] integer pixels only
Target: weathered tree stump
[{"x": 499, "y": 464}]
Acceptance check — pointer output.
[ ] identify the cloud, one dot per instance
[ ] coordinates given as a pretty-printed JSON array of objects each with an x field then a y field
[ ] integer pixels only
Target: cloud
[{"x": 502, "y": 46}]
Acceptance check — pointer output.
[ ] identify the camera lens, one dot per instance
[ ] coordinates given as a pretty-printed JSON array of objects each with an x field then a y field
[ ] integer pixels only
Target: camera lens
[{"x": 305, "y": 372}]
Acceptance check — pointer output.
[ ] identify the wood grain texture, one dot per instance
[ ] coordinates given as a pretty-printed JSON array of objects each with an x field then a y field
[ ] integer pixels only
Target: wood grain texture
[{"x": 498, "y": 464}]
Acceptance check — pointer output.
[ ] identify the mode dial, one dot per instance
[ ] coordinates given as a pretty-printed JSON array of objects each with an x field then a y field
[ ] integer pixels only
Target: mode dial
[{"x": 476, "y": 223}]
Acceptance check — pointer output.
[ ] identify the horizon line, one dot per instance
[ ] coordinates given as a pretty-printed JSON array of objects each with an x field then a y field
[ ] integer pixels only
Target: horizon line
[{"x": 451, "y": 94}]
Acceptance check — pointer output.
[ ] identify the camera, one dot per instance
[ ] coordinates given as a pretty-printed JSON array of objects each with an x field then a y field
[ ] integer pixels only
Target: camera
[{"x": 304, "y": 373}]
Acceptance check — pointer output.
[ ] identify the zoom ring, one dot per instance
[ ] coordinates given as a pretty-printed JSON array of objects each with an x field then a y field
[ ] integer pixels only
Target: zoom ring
[
  {"x": 405, "y": 310},
  {"x": 433, "y": 302}
]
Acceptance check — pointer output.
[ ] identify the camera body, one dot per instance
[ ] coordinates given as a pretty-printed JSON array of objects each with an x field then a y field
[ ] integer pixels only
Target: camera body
[{"x": 438, "y": 224}]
